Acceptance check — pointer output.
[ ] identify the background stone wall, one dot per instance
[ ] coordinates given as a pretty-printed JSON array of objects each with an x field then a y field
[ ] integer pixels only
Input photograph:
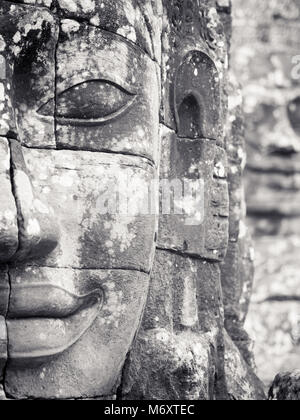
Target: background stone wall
[{"x": 265, "y": 54}]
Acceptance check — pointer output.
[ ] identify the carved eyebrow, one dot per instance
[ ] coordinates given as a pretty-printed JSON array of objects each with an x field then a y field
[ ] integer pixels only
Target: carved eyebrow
[
  {"x": 123, "y": 38},
  {"x": 104, "y": 80},
  {"x": 86, "y": 21},
  {"x": 73, "y": 82}
]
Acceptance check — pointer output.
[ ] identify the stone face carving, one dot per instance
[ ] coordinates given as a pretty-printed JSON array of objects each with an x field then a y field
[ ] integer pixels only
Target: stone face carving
[
  {"x": 80, "y": 110},
  {"x": 91, "y": 93}
]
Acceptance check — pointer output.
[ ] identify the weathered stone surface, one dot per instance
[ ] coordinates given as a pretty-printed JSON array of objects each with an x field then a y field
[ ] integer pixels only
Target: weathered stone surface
[
  {"x": 178, "y": 354},
  {"x": 139, "y": 22},
  {"x": 102, "y": 329},
  {"x": 4, "y": 291},
  {"x": 201, "y": 229},
  {"x": 236, "y": 292},
  {"x": 166, "y": 366},
  {"x": 184, "y": 312},
  {"x": 286, "y": 387},
  {"x": 96, "y": 229},
  {"x": 37, "y": 3},
  {"x": 191, "y": 297},
  {"x": 242, "y": 383},
  {"x": 8, "y": 211},
  {"x": 2, "y": 394},
  {"x": 3, "y": 346},
  {"x": 246, "y": 272},
  {"x": 29, "y": 41},
  {"x": 194, "y": 41}
]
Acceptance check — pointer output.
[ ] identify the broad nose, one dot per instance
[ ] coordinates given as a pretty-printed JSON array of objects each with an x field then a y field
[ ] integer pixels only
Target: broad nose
[{"x": 38, "y": 234}]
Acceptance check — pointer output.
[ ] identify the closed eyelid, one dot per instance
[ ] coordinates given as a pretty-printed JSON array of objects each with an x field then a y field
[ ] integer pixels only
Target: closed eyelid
[{"x": 90, "y": 102}]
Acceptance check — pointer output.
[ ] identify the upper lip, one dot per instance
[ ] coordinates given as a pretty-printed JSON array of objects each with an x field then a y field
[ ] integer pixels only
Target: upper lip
[
  {"x": 42, "y": 300},
  {"x": 44, "y": 320}
]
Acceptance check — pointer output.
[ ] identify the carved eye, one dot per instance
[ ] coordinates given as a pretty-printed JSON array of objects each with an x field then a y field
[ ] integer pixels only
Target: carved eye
[{"x": 90, "y": 102}]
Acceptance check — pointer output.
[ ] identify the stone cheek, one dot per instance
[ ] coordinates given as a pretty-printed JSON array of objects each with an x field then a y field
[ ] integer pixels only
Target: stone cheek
[{"x": 95, "y": 198}]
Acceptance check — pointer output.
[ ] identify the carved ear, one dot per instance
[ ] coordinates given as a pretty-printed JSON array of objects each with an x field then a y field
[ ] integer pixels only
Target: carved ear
[{"x": 197, "y": 97}]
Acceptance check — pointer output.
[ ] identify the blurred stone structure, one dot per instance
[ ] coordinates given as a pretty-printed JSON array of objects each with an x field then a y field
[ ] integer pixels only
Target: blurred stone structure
[
  {"x": 266, "y": 55},
  {"x": 105, "y": 306}
]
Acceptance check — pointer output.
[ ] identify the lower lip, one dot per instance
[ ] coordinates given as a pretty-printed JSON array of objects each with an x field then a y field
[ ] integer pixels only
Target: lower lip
[{"x": 38, "y": 339}]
